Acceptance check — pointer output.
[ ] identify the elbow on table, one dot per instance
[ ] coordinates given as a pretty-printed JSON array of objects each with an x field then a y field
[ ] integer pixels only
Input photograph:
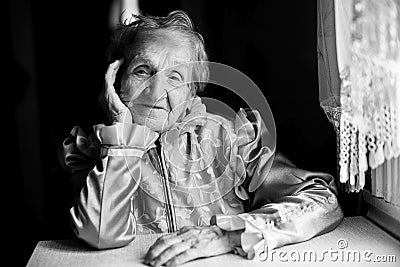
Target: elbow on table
[
  {"x": 103, "y": 240},
  {"x": 102, "y": 237},
  {"x": 334, "y": 215},
  {"x": 340, "y": 214}
]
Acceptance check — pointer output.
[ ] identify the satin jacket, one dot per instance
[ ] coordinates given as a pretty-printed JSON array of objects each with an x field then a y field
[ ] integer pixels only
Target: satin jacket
[{"x": 131, "y": 180}]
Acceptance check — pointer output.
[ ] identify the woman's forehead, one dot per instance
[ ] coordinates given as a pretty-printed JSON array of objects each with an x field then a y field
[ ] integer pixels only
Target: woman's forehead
[{"x": 163, "y": 49}]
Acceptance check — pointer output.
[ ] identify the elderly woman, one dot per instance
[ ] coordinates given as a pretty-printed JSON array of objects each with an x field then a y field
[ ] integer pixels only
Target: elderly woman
[{"x": 165, "y": 165}]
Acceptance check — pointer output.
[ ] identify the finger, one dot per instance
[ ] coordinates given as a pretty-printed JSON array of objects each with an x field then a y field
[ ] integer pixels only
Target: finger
[
  {"x": 185, "y": 256},
  {"x": 160, "y": 245},
  {"x": 109, "y": 90},
  {"x": 170, "y": 253},
  {"x": 109, "y": 99},
  {"x": 112, "y": 71},
  {"x": 163, "y": 238}
]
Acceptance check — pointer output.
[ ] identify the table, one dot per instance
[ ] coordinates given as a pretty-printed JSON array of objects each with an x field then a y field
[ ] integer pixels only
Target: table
[{"x": 355, "y": 242}]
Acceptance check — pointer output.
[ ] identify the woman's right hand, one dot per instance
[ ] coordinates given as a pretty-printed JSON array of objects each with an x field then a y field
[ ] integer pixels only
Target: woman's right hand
[{"x": 109, "y": 100}]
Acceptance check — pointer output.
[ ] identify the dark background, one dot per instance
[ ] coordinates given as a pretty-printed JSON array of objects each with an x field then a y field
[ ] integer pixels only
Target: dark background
[{"x": 55, "y": 61}]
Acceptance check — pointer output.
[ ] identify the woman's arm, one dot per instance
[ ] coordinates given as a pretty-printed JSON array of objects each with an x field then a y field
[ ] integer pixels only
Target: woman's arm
[
  {"x": 287, "y": 204},
  {"x": 101, "y": 214},
  {"x": 105, "y": 176},
  {"x": 290, "y": 206}
]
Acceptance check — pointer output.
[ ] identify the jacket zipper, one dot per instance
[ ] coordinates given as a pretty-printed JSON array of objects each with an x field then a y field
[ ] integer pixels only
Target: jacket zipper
[
  {"x": 170, "y": 205},
  {"x": 160, "y": 166}
]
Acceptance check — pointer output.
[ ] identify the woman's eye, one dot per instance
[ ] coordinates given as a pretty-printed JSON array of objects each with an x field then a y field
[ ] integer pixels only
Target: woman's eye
[
  {"x": 175, "y": 78},
  {"x": 142, "y": 72}
]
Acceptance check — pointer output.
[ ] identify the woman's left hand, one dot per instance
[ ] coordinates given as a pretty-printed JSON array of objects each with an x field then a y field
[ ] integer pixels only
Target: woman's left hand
[
  {"x": 190, "y": 243},
  {"x": 109, "y": 100}
]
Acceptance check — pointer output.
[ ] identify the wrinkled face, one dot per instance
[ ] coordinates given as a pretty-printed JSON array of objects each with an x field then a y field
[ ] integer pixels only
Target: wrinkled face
[{"x": 155, "y": 84}]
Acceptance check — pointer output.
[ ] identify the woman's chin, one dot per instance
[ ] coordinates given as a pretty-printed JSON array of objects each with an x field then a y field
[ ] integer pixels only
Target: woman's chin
[
  {"x": 158, "y": 120},
  {"x": 158, "y": 124}
]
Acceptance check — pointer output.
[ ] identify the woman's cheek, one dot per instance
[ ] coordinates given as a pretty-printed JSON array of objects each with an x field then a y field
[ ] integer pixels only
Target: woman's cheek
[
  {"x": 178, "y": 97},
  {"x": 130, "y": 90}
]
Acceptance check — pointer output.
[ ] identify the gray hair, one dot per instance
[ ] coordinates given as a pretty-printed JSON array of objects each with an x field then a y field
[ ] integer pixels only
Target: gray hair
[{"x": 125, "y": 39}]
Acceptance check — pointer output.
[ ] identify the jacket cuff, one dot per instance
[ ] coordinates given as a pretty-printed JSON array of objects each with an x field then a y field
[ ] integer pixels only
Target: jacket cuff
[
  {"x": 257, "y": 237},
  {"x": 126, "y": 135}
]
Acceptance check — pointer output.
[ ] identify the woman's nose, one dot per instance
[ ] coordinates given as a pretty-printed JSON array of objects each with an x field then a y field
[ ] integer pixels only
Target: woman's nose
[{"x": 157, "y": 87}]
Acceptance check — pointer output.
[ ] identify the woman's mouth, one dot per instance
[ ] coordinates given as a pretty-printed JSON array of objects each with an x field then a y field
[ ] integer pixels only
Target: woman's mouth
[{"x": 155, "y": 106}]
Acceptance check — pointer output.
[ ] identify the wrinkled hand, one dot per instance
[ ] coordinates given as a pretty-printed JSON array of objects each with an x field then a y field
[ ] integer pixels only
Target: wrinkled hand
[
  {"x": 115, "y": 109},
  {"x": 190, "y": 243}
]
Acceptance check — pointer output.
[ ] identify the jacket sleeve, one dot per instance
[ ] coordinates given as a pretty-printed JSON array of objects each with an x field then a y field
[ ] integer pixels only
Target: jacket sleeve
[
  {"x": 102, "y": 214},
  {"x": 287, "y": 205}
]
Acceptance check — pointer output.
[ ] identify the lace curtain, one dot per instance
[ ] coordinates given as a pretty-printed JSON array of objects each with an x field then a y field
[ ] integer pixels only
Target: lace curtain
[{"x": 359, "y": 79}]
